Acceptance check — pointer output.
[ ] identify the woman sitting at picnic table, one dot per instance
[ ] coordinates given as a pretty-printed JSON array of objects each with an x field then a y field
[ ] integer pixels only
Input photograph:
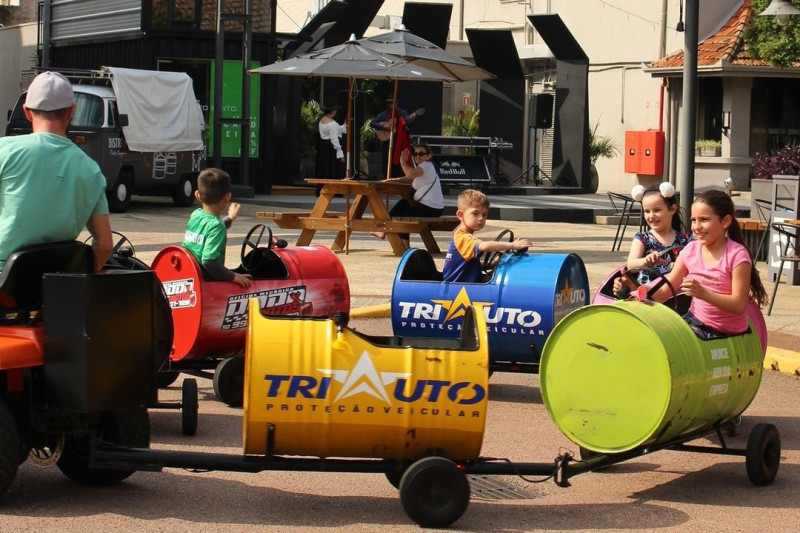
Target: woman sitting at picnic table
[{"x": 428, "y": 197}]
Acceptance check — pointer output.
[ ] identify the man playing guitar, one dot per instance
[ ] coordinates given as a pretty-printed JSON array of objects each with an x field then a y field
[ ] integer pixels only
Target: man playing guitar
[{"x": 382, "y": 124}]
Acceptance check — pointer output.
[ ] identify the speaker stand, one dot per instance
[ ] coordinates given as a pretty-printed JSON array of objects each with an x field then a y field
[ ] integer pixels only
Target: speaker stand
[{"x": 534, "y": 167}]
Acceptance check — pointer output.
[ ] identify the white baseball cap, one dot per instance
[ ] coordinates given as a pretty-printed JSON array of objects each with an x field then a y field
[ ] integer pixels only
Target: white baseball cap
[{"x": 49, "y": 91}]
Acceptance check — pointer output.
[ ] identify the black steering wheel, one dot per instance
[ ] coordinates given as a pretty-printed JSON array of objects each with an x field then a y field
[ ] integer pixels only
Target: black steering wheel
[
  {"x": 253, "y": 259},
  {"x": 490, "y": 258},
  {"x": 653, "y": 274},
  {"x": 123, "y": 254}
]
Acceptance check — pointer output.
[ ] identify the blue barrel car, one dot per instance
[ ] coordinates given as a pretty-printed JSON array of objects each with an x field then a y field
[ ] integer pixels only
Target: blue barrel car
[{"x": 524, "y": 296}]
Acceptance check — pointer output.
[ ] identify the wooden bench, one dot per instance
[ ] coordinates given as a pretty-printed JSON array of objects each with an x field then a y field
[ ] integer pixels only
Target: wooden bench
[
  {"x": 334, "y": 221},
  {"x": 425, "y": 225}
]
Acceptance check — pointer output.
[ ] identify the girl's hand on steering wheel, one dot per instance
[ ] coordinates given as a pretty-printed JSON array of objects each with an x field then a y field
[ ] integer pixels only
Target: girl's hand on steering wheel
[
  {"x": 653, "y": 259},
  {"x": 623, "y": 279}
]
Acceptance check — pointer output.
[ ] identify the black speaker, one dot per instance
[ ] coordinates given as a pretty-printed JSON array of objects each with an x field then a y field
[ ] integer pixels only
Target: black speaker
[{"x": 542, "y": 110}]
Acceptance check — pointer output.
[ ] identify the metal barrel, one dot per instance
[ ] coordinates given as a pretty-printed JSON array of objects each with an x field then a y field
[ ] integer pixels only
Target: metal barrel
[
  {"x": 313, "y": 390},
  {"x": 210, "y": 317},
  {"x": 527, "y": 295},
  {"x": 629, "y": 374}
]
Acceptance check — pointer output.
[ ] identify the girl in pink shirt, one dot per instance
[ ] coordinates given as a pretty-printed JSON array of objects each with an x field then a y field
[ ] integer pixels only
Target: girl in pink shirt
[{"x": 715, "y": 270}]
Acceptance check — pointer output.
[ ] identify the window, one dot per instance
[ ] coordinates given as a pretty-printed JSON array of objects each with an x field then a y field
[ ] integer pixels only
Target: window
[{"x": 88, "y": 111}]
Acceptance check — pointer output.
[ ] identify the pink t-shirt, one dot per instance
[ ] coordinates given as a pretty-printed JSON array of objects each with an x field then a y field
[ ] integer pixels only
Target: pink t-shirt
[{"x": 716, "y": 278}]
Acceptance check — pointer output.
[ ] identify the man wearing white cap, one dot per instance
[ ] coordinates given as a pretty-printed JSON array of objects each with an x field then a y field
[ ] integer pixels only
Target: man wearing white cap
[{"x": 50, "y": 189}]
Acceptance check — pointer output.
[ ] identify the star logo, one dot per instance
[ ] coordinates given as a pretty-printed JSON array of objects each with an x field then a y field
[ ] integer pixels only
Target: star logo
[
  {"x": 566, "y": 292},
  {"x": 457, "y": 307},
  {"x": 364, "y": 377}
]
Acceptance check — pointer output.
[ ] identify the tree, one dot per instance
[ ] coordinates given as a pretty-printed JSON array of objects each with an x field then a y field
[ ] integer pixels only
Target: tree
[{"x": 766, "y": 40}]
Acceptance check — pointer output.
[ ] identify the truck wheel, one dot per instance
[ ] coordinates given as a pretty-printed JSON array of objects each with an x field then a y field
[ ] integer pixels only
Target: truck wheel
[
  {"x": 128, "y": 427},
  {"x": 229, "y": 381},
  {"x": 183, "y": 195},
  {"x": 10, "y": 446},
  {"x": 119, "y": 197},
  {"x": 434, "y": 492}
]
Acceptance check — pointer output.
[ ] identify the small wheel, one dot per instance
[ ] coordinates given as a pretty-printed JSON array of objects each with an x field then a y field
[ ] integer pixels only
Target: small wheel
[
  {"x": 123, "y": 254},
  {"x": 128, "y": 427},
  {"x": 183, "y": 194},
  {"x": 229, "y": 381},
  {"x": 189, "y": 406},
  {"x": 763, "y": 455},
  {"x": 253, "y": 258},
  {"x": 434, "y": 492},
  {"x": 10, "y": 446},
  {"x": 119, "y": 197},
  {"x": 165, "y": 379}
]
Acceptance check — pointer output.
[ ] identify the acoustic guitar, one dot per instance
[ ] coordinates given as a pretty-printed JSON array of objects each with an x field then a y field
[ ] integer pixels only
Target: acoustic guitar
[{"x": 383, "y": 135}]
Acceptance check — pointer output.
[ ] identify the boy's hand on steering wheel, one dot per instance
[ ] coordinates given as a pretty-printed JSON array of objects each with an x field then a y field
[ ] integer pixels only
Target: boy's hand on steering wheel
[{"x": 521, "y": 244}]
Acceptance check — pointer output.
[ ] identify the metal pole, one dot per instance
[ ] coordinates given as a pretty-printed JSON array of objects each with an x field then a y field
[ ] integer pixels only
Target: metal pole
[
  {"x": 247, "y": 39},
  {"x": 689, "y": 121},
  {"x": 220, "y": 57},
  {"x": 46, "y": 32}
]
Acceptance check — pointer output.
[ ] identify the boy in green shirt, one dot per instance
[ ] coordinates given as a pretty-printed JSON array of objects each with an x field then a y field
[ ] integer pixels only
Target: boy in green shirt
[{"x": 206, "y": 233}]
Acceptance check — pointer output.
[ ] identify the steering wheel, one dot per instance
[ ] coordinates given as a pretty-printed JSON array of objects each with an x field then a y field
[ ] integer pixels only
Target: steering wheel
[
  {"x": 653, "y": 274},
  {"x": 122, "y": 254},
  {"x": 490, "y": 258},
  {"x": 253, "y": 259}
]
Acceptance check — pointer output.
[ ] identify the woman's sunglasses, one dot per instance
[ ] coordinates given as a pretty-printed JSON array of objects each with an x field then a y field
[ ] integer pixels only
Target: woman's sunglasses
[{"x": 420, "y": 154}]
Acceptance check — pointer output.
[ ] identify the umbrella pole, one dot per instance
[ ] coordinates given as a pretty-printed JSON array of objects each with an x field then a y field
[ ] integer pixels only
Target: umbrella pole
[
  {"x": 349, "y": 127},
  {"x": 391, "y": 133}
]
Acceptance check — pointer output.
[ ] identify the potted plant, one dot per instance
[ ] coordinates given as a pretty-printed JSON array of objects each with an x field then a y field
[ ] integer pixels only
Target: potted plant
[
  {"x": 309, "y": 113},
  {"x": 708, "y": 147},
  {"x": 599, "y": 148},
  {"x": 462, "y": 124},
  {"x": 786, "y": 162}
]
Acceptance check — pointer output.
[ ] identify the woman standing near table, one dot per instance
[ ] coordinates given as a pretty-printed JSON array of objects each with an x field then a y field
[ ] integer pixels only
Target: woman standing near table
[
  {"x": 428, "y": 197},
  {"x": 330, "y": 157}
]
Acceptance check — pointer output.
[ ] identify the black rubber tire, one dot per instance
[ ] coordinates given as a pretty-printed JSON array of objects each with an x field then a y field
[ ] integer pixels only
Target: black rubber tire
[
  {"x": 763, "y": 454},
  {"x": 167, "y": 378},
  {"x": 10, "y": 446},
  {"x": 229, "y": 381},
  {"x": 129, "y": 427},
  {"x": 183, "y": 194},
  {"x": 189, "y": 406},
  {"x": 434, "y": 492},
  {"x": 119, "y": 197}
]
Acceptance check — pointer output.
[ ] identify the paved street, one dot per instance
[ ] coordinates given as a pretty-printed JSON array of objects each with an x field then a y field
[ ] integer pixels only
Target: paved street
[{"x": 667, "y": 491}]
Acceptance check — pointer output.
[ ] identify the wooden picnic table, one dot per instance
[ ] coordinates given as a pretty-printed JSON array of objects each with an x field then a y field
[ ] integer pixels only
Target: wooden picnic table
[{"x": 365, "y": 194}]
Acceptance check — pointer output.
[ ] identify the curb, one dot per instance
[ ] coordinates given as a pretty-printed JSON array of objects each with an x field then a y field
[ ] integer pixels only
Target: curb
[
  {"x": 372, "y": 311},
  {"x": 781, "y": 360}
]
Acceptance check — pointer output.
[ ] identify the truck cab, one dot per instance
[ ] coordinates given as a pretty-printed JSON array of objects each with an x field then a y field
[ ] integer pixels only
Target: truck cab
[{"x": 99, "y": 129}]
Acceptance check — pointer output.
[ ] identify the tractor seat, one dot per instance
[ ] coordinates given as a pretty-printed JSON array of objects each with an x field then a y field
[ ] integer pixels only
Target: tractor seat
[{"x": 21, "y": 279}]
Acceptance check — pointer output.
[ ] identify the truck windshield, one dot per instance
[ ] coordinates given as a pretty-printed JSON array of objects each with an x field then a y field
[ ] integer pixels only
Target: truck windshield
[{"x": 88, "y": 110}]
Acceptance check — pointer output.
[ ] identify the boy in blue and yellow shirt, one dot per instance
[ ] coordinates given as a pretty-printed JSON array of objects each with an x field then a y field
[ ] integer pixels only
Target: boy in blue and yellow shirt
[{"x": 462, "y": 261}]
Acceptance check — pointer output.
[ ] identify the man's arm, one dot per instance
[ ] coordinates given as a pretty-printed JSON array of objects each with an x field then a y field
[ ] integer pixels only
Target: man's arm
[{"x": 102, "y": 241}]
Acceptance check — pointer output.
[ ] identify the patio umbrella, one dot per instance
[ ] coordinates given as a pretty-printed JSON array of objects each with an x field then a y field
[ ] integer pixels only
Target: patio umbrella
[
  {"x": 354, "y": 61},
  {"x": 423, "y": 53}
]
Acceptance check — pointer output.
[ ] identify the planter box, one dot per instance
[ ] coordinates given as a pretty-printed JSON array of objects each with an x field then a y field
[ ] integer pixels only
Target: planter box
[{"x": 710, "y": 152}]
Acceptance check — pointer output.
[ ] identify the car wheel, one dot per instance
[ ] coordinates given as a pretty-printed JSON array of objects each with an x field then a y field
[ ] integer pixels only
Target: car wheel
[
  {"x": 434, "y": 492},
  {"x": 189, "y": 406},
  {"x": 129, "y": 427},
  {"x": 183, "y": 194},
  {"x": 229, "y": 381},
  {"x": 10, "y": 446},
  {"x": 119, "y": 197}
]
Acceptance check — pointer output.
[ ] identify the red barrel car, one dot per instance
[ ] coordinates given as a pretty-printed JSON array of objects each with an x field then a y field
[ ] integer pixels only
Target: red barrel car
[{"x": 210, "y": 317}]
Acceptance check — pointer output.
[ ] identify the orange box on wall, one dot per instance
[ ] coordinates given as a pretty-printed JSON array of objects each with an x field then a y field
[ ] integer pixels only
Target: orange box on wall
[{"x": 644, "y": 152}]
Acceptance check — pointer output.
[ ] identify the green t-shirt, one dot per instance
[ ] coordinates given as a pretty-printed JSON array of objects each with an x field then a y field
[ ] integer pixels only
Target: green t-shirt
[
  {"x": 206, "y": 237},
  {"x": 49, "y": 189}
]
